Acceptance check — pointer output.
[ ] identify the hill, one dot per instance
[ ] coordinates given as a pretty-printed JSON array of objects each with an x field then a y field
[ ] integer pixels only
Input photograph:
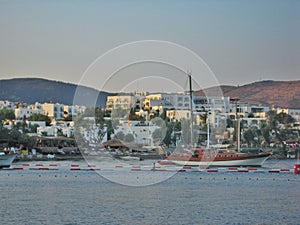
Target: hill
[
  {"x": 31, "y": 90},
  {"x": 285, "y": 94}
]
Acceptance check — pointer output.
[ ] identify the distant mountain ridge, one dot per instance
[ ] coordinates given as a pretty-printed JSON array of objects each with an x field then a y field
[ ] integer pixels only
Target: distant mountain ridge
[
  {"x": 285, "y": 94},
  {"x": 31, "y": 90}
]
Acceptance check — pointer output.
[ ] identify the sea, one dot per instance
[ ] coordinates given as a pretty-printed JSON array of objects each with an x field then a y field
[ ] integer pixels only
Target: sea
[{"x": 137, "y": 194}]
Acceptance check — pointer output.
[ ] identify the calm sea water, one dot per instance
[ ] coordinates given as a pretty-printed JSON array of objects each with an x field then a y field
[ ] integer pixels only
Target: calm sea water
[{"x": 85, "y": 197}]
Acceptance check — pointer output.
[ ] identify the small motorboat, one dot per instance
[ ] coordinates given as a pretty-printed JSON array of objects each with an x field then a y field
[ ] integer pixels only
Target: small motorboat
[{"x": 6, "y": 159}]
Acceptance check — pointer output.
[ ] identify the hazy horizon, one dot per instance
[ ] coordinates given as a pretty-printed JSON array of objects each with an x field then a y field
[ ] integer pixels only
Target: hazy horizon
[{"x": 240, "y": 41}]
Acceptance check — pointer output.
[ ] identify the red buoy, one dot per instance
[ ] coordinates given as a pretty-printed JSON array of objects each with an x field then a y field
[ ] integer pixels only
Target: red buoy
[
  {"x": 75, "y": 168},
  {"x": 297, "y": 168},
  {"x": 74, "y": 165},
  {"x": 187, "y": 167},
  {"x": 44, "y": 168},
  {"x": 212, "y": 170}
]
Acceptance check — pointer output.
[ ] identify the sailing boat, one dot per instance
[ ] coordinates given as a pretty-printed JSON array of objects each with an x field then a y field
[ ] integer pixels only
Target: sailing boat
[{"x": 209, "y": 157}]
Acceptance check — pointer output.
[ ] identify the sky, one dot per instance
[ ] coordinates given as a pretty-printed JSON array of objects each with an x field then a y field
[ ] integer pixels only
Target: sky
[{"x": 239, "y": 41}]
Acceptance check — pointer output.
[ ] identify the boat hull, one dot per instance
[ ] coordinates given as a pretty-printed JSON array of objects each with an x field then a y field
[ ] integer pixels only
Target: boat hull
[
  {"x": 256, "y": 162},
  {"x": 7, "y": 160},
  {"x": 220, "y": 158}
]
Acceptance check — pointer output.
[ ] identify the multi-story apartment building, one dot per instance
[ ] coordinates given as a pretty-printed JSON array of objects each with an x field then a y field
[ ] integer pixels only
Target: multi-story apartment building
[
  {"x": 73, "y": 110},
  {"x": 7, "y": 104},
  {"x": 160, "y": 101},
  {"x": 25, "y": 111},
  {"x": 295, "y": 113},
  {"x": 54, "y": 111},
  {"x": 135, "y": 100}
]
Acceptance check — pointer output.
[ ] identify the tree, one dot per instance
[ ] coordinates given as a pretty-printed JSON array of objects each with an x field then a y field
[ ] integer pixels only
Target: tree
[
  {"x": 129, "y": 138},
  {"x": 157, "y": 136},
  {"x": 68, "y": 118},
  {"x": 163, "y": 115},
  {"x": 6, "y": 114},
  {"x": 284, "y": 118},
  {"x": 40, "y": 117},
  {"x": 252, "y": 136},
  {"x": 251, "y": 115},
  {"x": 230, "y": 122},
  {"x": 185, "y": 132},
  {"x": 120, "y": 135},
  {"x": 99, "y": 115},
  {"x": 168, "y": 139},
  {"x": 110, "y": 129},
  {"x": 33, "y": 128},
  {"x": 119, "y": 113},
  {"x": 100, "y": 123},
  {"x": 265, "y": 131},
  {"x": 59, "y": 132},
  {"x": 158, "y": 122}
]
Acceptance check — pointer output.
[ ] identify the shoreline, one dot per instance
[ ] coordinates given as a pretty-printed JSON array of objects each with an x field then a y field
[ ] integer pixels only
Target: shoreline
[{"x": 75, "y": 157}]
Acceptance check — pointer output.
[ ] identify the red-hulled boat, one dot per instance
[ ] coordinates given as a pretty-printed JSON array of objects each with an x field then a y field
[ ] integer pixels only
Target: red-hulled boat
[{"x": 219, "y": 157}]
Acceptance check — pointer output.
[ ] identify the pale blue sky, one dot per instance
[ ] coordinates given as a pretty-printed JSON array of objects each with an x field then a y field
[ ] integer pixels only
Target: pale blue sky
[{"x": 241, "y": 41}]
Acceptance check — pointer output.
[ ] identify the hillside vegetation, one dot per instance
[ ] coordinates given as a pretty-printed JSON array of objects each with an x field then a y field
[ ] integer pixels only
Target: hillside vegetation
[
  {"x": 284, "y": 94},
  {"x": 31, "y": 90}
]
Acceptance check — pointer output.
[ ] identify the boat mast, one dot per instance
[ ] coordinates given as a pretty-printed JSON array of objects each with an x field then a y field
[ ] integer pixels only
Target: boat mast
[
  {"x": 191, "y": 104},
  {"x": 237, "y": 122}
]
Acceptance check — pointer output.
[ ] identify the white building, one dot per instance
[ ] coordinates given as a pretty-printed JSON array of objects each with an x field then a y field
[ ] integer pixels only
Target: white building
[
  {"x": 91, "y": 133},
  {"x": 135, "y": 100},
  {"x": 21, "y": 113},
  {"x": 56, "y": 131},
  {"x": 54, "y": 111},
  {"x": 249, "y": 122},
  {"x": 142, "y": 133},
  {"x": 73, "y": 110},
  {"x": 7, "y": 104}
]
